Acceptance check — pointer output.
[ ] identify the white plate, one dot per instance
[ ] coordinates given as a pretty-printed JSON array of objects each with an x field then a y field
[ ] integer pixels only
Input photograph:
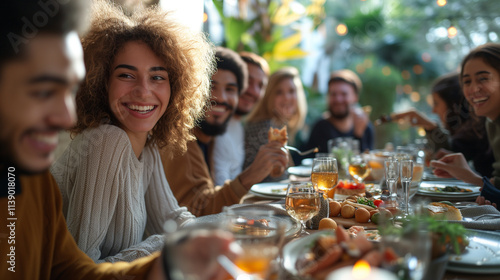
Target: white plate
[
  {"x": 427, "y": 187},
  {"x": 301, "y": 170},
  {"x": 291, "y": 229},
  {"x": 473, "y": 270},
  {"x": 425, "y": 190},
  {"x": 307, "y": 162},
  {"x": 295, "y": 249},
  {"x": 482, "y": 255},
  {"x": 275, "y": 190}
]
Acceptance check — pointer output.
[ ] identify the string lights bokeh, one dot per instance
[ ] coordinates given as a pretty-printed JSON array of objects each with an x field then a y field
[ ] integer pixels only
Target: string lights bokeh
[
  {"x": 452, "y": 31},
  {"x": 441, "y": 3},
  {"x": 341, "y": 29}
]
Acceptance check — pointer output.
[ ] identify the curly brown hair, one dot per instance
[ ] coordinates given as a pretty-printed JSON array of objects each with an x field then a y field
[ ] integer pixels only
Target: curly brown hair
[{"x": 188, "y": 55}]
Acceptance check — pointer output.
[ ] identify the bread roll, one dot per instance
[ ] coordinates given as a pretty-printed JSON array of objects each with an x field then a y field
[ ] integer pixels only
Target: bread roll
[
  {"x": 281, "y": 136},
  {"x": 444, "y": 211},
  {"x": 327, "y": 223}
]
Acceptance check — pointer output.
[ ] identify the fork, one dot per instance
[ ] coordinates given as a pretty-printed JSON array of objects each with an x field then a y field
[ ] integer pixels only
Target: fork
[{"x": 313, "y": 150}]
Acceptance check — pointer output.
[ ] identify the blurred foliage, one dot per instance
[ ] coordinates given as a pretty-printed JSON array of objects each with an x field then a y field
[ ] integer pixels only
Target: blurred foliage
[
  {"x": 398, "y": 47},
  {"x": 274, "y": 32}
]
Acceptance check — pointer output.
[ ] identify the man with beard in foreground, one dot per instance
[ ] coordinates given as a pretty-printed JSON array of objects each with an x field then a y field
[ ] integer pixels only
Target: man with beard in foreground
[
  {"x": 345, "y": 118},
  {"x": 191, "y": 175},
  {"x": 41, "y": 66}
]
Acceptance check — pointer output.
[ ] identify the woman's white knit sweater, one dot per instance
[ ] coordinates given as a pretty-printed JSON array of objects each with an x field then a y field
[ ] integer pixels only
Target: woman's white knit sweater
[{"x": 112, "y": 200}]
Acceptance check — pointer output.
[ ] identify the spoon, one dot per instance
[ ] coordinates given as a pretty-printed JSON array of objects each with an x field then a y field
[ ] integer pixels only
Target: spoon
[{"x": 313, "y": 150}]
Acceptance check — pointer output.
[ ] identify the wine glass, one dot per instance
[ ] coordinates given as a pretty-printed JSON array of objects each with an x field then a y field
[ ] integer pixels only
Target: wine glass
[
  {"x": 406, "y": 171},
  {"x": 259, "y": 233},
  {"x": 302, "y": 202},
  {"x": 391, "y": 177},
  {"x": 325, "y": 173},
  {"x": 359, "y": 168}
]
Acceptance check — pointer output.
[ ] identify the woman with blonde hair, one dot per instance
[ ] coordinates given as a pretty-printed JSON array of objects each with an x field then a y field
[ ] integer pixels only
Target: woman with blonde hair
[
  {"x": 148, "y": 81},
  {"x": 283, "y": 104}
]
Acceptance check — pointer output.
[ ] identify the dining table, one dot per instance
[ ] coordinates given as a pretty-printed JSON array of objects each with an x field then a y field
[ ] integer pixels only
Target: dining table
[{"x": 255, "y": 198}]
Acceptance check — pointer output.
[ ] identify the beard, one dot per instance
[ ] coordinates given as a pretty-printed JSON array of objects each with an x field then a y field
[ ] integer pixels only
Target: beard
[
  {"x": 216, "y": 129},
  {"x": 7, "y": 159},
  {"x": 6, "y": 156},
  {"x": 339, "y": 115}
]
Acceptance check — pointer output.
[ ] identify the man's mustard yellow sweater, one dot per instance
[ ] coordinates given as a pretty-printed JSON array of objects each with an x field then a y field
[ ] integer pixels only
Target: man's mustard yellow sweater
[{"x": 35, "y": 243}]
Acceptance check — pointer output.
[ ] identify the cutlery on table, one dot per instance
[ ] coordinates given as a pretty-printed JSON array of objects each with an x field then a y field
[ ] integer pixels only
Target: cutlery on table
[{"x": 313, "y": 150}]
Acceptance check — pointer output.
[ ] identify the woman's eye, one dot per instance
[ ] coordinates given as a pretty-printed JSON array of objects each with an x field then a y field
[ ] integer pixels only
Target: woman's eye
[
  {"x": 43, "y": 94},
  {"x": 158, "y": 78},
  {"x": 124, "y": 75}
]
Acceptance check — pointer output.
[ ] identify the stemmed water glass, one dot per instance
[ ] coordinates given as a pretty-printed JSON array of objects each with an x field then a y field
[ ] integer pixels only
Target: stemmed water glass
[
  {"x": 302, "y": 202},
  {"x": 406, "y": 171},
  {"x": 391, "y": 177}
]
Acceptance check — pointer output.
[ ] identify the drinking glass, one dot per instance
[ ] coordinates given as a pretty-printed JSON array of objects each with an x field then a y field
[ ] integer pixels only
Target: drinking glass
[
  {"x": 411, "y": 246},
  {"x": 359, "y": 168},
  {"x": 193, "y": 250},
  {"x": 324, "y": 173},
  {"x": 406, "y": 171},
  {"x": 413, "y": 153},
  {"x": 302, "y": 202},
  {"x": 391, "y": 177},
  {"x": 259, "y": 233}
]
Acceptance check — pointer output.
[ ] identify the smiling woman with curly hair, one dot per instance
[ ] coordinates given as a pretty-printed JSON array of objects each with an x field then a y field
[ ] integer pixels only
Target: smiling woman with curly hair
[
  {"x": 187, "y": 57},
  {"x": 148, "y": 81}
]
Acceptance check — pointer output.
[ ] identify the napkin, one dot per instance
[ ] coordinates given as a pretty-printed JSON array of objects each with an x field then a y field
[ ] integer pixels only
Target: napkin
[
  {"x": 490, "y": 192},
  {"x": 485, "y": 217}
]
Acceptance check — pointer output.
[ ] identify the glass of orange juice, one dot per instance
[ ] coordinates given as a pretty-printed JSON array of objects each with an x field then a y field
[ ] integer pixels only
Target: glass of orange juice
[
  {"x": 192, "y": 251},
  {"x": 259, "y": 233}
]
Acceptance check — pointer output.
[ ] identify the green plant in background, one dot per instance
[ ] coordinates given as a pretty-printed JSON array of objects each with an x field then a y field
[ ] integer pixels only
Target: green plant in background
[{"x": 273, "y": 32}]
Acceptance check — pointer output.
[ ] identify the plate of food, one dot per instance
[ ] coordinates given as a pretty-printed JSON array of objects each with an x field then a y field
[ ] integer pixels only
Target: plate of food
[
  {"x": 318, "y": 254},
  {"x": 447, "y": 190},
  {"x": 300, "y": 170},
  {"x": 294, "y": 250},
  {"x": 270, "y": 190},
  {"x": 480, "y": 256}
]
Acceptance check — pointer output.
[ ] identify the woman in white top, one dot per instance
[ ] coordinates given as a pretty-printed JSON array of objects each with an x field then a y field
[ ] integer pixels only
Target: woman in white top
[{"x": 147, "y": 83}]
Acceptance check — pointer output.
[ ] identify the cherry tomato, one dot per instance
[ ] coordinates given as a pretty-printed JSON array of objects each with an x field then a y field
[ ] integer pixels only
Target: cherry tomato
[
  {"x": 378, "y": 202},
  {"x": 341, "y": 185},
  {"x": 390, "y": 256}
]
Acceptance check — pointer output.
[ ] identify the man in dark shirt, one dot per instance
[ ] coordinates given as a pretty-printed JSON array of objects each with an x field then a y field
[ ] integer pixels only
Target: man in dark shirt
[{"x": 344, "y": 117}]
